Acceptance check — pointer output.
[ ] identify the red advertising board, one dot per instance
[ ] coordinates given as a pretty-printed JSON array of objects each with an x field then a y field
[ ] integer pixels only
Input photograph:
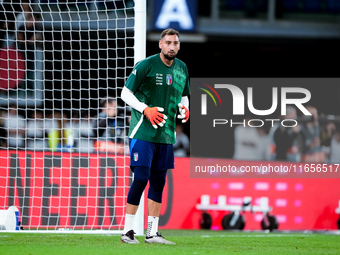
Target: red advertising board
[
  {"x": 89, "y": 191},
  {"x": 64, "y": 189},
  {"x": 298, "y": 203}
]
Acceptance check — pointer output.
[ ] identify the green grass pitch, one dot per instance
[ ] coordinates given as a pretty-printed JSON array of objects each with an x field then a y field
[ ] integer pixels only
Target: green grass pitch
[{"x": 188, "y": 242}]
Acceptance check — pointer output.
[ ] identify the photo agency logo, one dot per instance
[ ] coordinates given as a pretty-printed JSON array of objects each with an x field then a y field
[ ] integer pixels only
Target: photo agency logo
[
  {"x": 240, "y": 100},
  {"x": 204, "y": 97}
]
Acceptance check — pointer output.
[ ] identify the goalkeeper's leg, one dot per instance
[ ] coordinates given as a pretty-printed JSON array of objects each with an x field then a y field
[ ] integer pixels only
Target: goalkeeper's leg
[
  {"x": 141, "y": 155},
  {"x": 157, "y": 183},
  {"x": 155, "y": 193},
  {"x": 163, "y": 159},
  {"x": 141, "y": 178}
]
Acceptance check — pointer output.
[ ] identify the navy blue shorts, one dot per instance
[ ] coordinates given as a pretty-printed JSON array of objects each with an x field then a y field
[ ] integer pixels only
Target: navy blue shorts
[{"x": 157, "y": 156}]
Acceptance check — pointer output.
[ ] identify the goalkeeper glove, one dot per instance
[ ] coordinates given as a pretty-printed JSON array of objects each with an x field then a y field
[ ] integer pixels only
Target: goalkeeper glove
[
  {"x": 183, "y": 113},
  {"x": 154, "y": 116}
]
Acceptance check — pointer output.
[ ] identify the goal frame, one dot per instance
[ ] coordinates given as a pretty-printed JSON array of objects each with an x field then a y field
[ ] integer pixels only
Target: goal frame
[{"x": 139, "y": 54}]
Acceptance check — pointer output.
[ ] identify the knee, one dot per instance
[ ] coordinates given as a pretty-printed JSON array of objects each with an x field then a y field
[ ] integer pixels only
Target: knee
[
  {"x": 155, "y": 192},
  {"x": 138, "y": 185},
  {"x": 141, "y": 177}
]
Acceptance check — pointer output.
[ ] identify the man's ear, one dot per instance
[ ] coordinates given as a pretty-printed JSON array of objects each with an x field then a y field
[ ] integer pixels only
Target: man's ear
[{"x": 160, "y": 44}]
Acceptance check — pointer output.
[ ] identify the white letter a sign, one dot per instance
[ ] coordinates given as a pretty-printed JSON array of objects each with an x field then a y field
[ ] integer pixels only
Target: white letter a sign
[{"x": 175, "y": 11}]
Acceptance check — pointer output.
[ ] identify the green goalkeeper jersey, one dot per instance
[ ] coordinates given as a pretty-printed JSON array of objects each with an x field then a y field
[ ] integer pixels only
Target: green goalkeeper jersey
[{"x": 156, "y": 84}]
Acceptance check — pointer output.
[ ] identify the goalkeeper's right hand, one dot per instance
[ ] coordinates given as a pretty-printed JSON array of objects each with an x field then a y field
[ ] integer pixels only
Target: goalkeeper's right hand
[{"x": 154, "y": 116}]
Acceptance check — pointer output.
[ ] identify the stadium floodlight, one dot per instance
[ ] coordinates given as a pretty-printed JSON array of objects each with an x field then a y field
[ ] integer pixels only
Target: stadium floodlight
[{"x": 58, "y": 62}]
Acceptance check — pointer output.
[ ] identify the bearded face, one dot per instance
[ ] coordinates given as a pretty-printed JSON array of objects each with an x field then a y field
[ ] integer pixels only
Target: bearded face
[{"x": 169, "y": 46}]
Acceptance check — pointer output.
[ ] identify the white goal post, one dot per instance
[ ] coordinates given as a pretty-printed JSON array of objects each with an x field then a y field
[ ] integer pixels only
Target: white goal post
[
  {"x": 140, "y": 54},
  {"x": 64, "y": 156}
]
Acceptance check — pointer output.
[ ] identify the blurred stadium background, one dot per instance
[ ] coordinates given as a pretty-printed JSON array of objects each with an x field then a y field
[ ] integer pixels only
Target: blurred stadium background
[{"x": 73, "y": 70}]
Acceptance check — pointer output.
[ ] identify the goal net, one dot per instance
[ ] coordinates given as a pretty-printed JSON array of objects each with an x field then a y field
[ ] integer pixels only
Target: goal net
[{"x": 64, "y": 157}]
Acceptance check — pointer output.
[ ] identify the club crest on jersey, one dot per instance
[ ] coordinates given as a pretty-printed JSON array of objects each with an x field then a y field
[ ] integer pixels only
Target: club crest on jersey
[
  {"x": 135, "y": 156},
  {"x": 168, "y": 79}
]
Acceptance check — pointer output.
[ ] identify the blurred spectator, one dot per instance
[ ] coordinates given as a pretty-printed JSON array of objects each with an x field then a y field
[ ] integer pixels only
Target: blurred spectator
[
  {"x": 36, "y": 132},
  {"x": 71, "y": 127},
  {"x": 27, "y": 27},
  {"x": 81, "y": 130},
  {"x": 107, "y": 126},
  {"x": 19, "y": 45},
  {"x": 21, "y": 23},
  {"x": 250, "y": 143},
  {"x": 50, "y": 123},
  {"x": 53, "y": 133},
  {"x": 61, "y": 138},
  {"x": 16, "y": 126},
  {"x": 8, "y": 10},
  {"x": 182, "y": 145},
  {"x": 327, "y": 133},
  {"x": 287, "y": 141},
  {"x": 85, "y": 134},
  {"x": 126, "y": 116},
  {"x": 335, "y": 148},
  {"x": 312, "y": 142},
  {"x": 311, "y": 131}
]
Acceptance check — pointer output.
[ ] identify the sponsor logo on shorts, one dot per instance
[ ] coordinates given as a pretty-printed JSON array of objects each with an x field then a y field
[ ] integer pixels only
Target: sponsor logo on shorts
[{"x": 135, "y": 156}]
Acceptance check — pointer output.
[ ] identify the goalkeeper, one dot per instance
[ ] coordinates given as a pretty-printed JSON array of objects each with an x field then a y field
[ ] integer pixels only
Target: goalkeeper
[{"x": 157, "y": 88}]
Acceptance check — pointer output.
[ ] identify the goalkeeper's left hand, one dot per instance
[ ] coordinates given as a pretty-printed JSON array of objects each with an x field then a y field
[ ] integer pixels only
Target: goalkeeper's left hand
[{"x": 183, "y": 113}]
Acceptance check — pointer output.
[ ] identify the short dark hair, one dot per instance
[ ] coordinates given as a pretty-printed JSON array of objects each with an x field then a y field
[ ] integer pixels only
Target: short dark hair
[{"x": 169, "y": 31}]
